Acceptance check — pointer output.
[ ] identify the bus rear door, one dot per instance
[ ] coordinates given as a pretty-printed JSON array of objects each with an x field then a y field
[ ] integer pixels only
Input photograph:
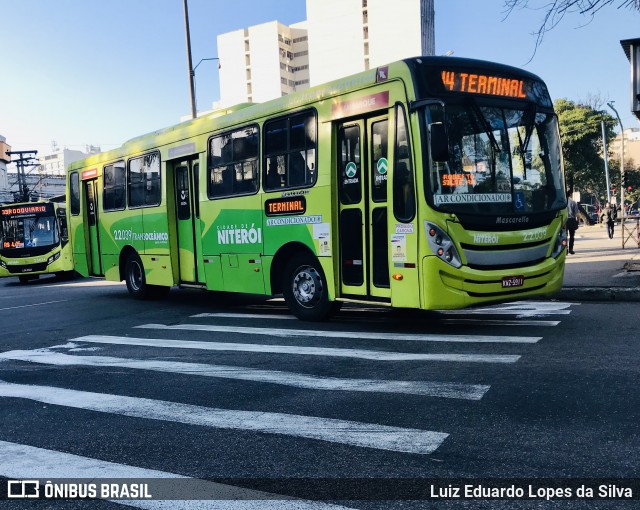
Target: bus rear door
[
  {"x": 362, "y": 167},
  {"x": 188, "y": 220}
]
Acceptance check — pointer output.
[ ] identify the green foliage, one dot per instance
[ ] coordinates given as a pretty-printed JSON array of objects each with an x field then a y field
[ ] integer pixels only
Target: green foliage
[{"x": 582, "y": 148}]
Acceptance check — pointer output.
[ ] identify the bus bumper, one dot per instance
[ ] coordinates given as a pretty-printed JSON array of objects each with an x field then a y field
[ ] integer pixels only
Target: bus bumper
[
  {"x": 50, "y": 264},
  {"x": 450, "y": 288}
]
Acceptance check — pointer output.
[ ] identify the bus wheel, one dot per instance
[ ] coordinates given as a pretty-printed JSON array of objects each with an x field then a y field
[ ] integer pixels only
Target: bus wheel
[
  {"x": 137, "y": 282},
  {"x": 305, "y": 289}
]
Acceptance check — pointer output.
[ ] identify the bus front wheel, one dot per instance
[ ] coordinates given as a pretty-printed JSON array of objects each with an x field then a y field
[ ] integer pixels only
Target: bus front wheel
[
  {"x": 137, "y": 282},
  {"x": 305, "y": 289}
]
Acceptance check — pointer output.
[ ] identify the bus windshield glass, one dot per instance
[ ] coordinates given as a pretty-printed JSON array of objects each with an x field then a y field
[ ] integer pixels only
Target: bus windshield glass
[
  {"x": 28, "y": 226},
  {"x": 502, "y": 159}
]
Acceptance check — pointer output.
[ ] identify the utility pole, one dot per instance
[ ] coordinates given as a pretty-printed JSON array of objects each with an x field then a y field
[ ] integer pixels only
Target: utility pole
[
  {"x": 189, "y": 61},
  {"x": 25, "y": 159}
]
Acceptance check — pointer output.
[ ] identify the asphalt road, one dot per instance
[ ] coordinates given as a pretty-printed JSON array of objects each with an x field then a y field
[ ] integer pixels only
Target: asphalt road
[{"x": 215, "y": 386}]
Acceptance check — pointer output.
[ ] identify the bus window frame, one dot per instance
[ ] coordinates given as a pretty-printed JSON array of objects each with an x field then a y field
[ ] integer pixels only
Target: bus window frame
[
  {"x": 287, "y": 116},
  {"x": 104, "y": 187},
  {"x": 71, "y": 199},
  {"x": 402, "y": 109},
  {"x": 209, "y": 166},
  {"x": 142, "y": 156}
]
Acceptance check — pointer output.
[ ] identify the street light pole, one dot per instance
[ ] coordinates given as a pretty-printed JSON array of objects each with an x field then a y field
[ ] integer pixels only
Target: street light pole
[
  {"x": 610, "y": 105},
  {"x": 606, "y": 162},
  {"x": 189, "y": 61},
  {"x": 193, "y": 78}
]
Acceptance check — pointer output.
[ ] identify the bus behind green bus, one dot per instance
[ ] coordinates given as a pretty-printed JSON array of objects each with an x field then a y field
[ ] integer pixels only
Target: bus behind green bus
[{"x": 34, "y": 240}]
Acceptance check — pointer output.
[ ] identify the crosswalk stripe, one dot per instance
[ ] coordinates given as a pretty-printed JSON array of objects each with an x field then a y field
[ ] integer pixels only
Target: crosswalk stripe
[
  {"x": 287, "y": 333},
  {"x": 499, "y": 322},
  {"x": 506, "y": 311},
  {"x": 312, "y": 382},
  {"x": 292, "y": 349},
  {"x": 21, "y": 462},
  {"x": 475, "y": 322},
  {"x": 225, "y": 315},
  {"x": 381, "y": 437}
]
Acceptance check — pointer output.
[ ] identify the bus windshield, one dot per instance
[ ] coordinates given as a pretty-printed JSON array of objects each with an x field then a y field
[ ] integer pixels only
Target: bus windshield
[
  {"x": 28, "y": 227},
  {"x": 502, "y": 159}
]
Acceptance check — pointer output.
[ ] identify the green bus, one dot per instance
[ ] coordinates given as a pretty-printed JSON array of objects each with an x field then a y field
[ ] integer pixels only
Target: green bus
[
  {"x": 34, "y": 240},
  {"x": 430, "y": 183}
]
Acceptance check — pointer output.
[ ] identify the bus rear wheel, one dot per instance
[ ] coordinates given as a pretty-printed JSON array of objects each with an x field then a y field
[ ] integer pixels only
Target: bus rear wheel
[
  {"x": 137, "y": 282},
  {"x": 305, "y": 289}
]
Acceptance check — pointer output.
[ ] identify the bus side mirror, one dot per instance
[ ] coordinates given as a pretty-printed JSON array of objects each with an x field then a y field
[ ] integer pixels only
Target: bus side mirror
[{"x": 439, "y": 143}]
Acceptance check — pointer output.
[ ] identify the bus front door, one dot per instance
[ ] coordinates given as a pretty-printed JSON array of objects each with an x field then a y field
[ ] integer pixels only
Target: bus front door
[
  {"x": 188, "y": 220},
  {"x": 91, "y": 220},
  {"x": 364, "y": 246}
]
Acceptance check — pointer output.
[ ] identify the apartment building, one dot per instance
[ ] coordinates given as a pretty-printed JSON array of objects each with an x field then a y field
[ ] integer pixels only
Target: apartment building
[
  {"x": 339, "y": 38},
  {"x": 262, "y": 62}
]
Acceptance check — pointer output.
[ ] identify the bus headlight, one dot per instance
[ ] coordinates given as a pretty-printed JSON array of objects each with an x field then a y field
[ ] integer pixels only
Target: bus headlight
[
  {"x": 442, "y": 245},
  {"x": 53, "y": 258},
  {"x": 4, "y": 266},
  {"x": 560, "y": 244}
]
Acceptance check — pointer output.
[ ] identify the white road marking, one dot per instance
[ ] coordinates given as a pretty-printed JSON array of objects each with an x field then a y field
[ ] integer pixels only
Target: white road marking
[
  {"x": 21, "y": 462},
  {"x": 287, "y": 333},
  {"x": 352, "y": 433},
  {"x": 516, "y": 312},
  {"x": 244, "y": 316},
  {"x": 33, "y": 304},
  {"x": 425, "y": 388},
  {"x": 292, "y": 349},
  {"x": 498, "y": 322},
  {"x": 475, "y": 322}
]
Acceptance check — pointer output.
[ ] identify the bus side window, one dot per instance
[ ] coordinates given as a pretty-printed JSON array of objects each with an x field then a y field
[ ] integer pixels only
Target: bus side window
[
  {"x": 290, "y": 151},
  {"x": 233, "y": 163},
  {"x": 143, "y": 180},
  {"x": 114, "y": 186}
]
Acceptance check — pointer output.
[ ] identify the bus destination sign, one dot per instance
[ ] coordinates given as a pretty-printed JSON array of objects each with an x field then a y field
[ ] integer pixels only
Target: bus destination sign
[
  {"x": 475, "y": 83},
  {"x": 29, "y": 209},
  {"x": 285, "y": 206}
]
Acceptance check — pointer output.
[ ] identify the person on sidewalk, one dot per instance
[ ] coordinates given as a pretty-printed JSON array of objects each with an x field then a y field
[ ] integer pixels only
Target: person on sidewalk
[
  {"x": 609, "y": 216},
  {"x": 572, "y": 221}
]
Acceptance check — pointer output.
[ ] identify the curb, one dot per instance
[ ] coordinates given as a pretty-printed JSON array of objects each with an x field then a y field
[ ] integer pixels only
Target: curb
[{"x": 606, "y": 294}]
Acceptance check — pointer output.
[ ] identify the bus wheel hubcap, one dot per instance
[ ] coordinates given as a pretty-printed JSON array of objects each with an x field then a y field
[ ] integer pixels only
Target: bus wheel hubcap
[
  {"x": 135, "y": 277},
  {"x": 307, "y": 286}
]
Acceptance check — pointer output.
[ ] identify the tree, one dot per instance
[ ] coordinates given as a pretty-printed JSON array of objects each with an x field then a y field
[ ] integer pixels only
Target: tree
[
  {"x": 582, "y": 147},
  {"x": 555, "y": 11}
]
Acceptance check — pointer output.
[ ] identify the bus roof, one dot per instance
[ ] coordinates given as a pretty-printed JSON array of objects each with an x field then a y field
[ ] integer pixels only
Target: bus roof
[{"x": 244, "y": 112}]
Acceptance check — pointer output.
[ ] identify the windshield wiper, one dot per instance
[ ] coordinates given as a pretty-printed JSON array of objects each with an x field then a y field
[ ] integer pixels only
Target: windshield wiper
[
  {"x": 531, "y": 110},
  {"x": 485, "y": 125}
]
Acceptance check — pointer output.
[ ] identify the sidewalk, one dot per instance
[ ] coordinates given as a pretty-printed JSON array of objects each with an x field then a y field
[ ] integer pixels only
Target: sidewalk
[{"x": 601, "y": 270}]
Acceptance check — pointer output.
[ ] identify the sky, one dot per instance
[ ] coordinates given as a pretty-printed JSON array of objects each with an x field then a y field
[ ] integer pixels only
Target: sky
[{"x": 96, "y": 72}]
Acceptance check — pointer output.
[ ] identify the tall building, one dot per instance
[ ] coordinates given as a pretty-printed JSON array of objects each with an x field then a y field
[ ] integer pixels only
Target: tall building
[
  {"x": 262, "y": 62},
  {"x": 350, "y": 36},
  {"x": 339, "y": 38}
]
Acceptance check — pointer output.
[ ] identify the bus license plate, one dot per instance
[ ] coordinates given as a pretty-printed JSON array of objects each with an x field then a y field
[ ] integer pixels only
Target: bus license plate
[{"x": 512, "y": 281}]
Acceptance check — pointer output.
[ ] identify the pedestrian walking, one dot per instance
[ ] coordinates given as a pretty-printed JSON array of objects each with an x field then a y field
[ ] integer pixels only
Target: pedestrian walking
[
  {"x": 572, "y": 220},
  {"x": 609, "y": 215}
]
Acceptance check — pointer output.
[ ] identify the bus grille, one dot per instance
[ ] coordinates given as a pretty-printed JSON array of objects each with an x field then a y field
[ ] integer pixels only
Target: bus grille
[
  {"x": 508, "y": 257},
  {"x": 30, "y": 268}
]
